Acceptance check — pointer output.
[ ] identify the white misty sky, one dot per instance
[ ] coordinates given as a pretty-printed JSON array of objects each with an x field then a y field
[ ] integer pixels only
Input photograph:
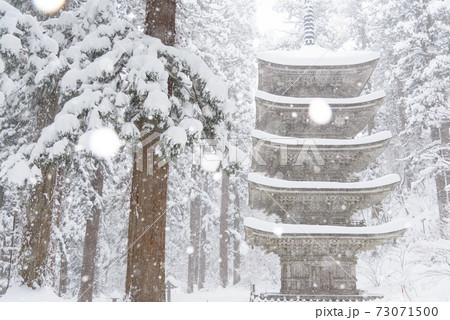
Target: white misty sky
[
  {"x": 271, "y": 25},
  {"x": 268, "y": 20}
]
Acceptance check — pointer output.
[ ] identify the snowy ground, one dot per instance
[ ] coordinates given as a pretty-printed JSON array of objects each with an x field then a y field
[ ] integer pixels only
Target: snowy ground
[
  {"x": 423, "y": 290},
  {"x": 231, "y": 294},
  {"x": 23, "y": 294}
]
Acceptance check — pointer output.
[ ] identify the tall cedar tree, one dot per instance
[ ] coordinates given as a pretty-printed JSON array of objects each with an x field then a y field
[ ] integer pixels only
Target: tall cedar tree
[
  {"x": 145, "y": 279},
  {"x": 91, "y": 238},
  {"x": 194, "y": 226},
  {"x": 35, "y": 252},
  {"x": 223, "y": 230}
]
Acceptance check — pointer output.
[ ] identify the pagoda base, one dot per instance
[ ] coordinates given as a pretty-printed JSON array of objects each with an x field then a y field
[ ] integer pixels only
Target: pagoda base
[
  {"x": 318, "y": 275},
  {"x": 279, "y": 297}
]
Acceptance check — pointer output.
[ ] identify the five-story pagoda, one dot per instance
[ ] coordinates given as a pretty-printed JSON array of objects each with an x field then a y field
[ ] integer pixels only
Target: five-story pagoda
[{"x": 303, "y": 168}]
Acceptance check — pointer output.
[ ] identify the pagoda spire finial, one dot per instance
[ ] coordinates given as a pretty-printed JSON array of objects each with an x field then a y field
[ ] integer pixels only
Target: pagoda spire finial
[{"x": 308, "y": 24}]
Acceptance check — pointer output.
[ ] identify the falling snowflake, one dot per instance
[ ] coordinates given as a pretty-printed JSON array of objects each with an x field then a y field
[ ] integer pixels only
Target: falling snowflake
[
  {"x": 48, "y": 6},
  {"x": 210, "y": 161},
  {"x": 243, "y": 248},
  {"x": 278, "y": 231},
  {"x": 190, "y": 250},
  {"x": 320, "y": 112},
  {"x": 104, "y": 143},
  {"x": 217, "y": 176}
]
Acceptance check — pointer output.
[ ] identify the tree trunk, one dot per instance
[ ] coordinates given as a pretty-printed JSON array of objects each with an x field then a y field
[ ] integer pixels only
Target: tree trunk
[
  {"x": 400, "y": 106},
  {"x": 194, "y": 224},
  {"x": 35, "y": 248},
  {"x": 236, "y": 225},
  {"x": 60, "y": 215},
  {"x": 160, "y": 20},
  {"x": 2, "y": 193},
  {"x": 56, "y": 244},
  {"x": 223, "y": 231},
  {"x": 202, "y": 258},
  {"x": 145, "y": 279},
  {"x": 91, "y": 238},
  {"x": 63, "y": 277},
  {"x": 442, "y": 177},
  {"x": 407, "y": 173}
]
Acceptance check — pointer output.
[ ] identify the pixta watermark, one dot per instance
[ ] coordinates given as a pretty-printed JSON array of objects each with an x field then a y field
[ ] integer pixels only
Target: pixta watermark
[{"x": 210, "y": 154}]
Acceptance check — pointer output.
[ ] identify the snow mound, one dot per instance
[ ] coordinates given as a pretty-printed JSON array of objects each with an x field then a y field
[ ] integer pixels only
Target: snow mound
[{"x": 10, "y": 43}]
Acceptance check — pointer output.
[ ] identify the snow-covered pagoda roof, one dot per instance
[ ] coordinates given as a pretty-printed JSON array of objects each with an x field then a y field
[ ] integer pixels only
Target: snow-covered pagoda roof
[
  {"x": 298, "y": 102},
  {"x": 279, "y": 229},
  {"x": 315, "y": 240},
  {"x": 359, "y": 141},
  {"x": 260, "y": 179},
  {"x": 316, "y": 55},
  {"x": 315, "y": 72}
]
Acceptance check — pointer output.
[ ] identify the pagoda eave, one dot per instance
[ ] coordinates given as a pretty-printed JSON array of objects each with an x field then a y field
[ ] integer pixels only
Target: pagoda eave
[
  {"x": 333, "y": 159},
  {"x": 326, "y": 81},
  {"x": 289, "y": 116},
  {"x": 311, "y": 241},
  {"x": 317, "y": 202}
]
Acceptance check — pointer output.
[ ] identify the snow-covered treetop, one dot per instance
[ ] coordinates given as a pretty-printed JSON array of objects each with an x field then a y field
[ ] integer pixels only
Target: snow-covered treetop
[
  {"x": 25, "y": 49},
  {"x": 109, "y": 74}
]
